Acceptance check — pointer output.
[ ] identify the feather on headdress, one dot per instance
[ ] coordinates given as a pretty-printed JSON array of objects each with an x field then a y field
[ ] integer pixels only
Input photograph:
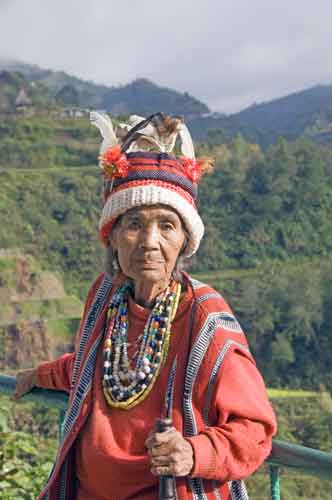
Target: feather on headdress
[
  {"x": 157, "y": 132},
  {"x": 139, "y": 169}
]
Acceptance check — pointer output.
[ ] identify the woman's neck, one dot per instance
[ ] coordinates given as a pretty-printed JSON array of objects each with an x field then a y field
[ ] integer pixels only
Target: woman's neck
[{"x": 145, "y": 294}]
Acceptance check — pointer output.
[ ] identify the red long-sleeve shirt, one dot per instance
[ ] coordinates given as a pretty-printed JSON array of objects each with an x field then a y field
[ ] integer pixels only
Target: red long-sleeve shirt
[{"x": 111, "y": 458}]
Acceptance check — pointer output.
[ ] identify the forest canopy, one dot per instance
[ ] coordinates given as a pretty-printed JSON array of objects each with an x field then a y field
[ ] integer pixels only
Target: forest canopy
[{"x": 268, "y": 236}]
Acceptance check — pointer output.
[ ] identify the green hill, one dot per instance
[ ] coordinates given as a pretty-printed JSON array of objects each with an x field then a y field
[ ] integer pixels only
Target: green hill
[
  {"x": 46, "y": 139},
  {"x": 12, "y": 83},
  {"x": 268, "y": 232},
  {"x": 289, "y": 116},
  {"x": 267, "y": 249},
  {"x": 307, "y": 112},
  {"x": 140, "y": 96},
  {"x": 37, "y": 318}
]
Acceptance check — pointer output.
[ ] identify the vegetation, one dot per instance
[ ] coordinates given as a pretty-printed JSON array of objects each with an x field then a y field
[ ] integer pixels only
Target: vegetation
[
  {"x": 38, "y": 320},
  {"x": 302, "y": 420},
  {"x": 54, "y": 216},
  {"x": 26, "y": 457},
  {"x": 268, "y": 228},
  {"x": 28, "y": 439},
  {"x": 267, "y": 249},
  {"x": 286, "y": 315},
  {"x": 141, "y": 96},
  {"x": 262, "y": 207},
  {"x": 11, "y": 83},
  {"x": 290, "y": 115},
  {"x": 307, "y": 113},
  {"x": 45, "y": 141}
]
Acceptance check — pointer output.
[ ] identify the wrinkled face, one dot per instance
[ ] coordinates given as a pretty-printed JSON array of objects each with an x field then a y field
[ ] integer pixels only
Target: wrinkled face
[{"x": 148, "y": 241}]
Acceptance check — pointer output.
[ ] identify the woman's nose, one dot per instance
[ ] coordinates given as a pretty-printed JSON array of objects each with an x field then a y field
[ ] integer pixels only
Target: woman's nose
[{"x": 150, "y": 237}]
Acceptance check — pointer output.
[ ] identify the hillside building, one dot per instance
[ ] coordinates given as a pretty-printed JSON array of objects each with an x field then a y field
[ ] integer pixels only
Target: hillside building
[{"x": 23, "y": 101}]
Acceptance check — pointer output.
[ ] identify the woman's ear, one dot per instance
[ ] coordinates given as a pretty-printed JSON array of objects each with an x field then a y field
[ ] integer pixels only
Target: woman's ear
[
  {"x": 113, "y": 237},
  {"x": 185, "y": 242}
]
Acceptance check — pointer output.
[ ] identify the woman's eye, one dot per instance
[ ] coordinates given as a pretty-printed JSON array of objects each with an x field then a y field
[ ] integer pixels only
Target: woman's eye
[
  {"x": 167, "y": 226},
  {"x": 133, "y": 225}
]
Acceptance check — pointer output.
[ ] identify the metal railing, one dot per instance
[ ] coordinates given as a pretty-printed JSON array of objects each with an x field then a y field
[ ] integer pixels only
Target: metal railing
[{"x": 284, "y": 454}]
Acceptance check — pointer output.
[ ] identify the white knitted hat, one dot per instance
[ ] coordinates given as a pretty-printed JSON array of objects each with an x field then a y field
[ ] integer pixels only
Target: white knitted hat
[{"x": 136, "y": 176}]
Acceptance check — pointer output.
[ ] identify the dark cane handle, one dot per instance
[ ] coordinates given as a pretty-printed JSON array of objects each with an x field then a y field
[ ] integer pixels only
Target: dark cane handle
[{"x": 166, "y": 483}]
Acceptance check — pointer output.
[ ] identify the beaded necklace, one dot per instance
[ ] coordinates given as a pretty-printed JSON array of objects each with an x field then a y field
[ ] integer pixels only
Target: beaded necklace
[{"x": 128, "y": 382}]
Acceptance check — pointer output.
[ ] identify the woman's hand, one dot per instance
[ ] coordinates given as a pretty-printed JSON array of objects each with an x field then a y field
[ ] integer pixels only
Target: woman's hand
[
  {"x": 25, "y": 381},
  {"x": 171, "y": 454}
]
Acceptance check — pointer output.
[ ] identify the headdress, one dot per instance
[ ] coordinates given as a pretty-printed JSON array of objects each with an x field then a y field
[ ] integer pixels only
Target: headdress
[{"x": 139, "y": 169}]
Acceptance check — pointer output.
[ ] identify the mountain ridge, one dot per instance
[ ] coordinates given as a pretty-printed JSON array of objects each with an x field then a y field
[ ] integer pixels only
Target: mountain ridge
[
  {"x": 140, "y": 96},
  {"x": 306, "y": 112}
]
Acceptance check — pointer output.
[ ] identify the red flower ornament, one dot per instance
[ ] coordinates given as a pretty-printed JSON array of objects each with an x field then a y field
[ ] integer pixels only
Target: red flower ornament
[
  {"x": 192, "y": 168},
  {"x": 114, "y": 163}
]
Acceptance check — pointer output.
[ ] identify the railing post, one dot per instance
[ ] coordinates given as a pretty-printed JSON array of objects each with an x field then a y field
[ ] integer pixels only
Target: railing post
[{"x": 275, "y": 482}]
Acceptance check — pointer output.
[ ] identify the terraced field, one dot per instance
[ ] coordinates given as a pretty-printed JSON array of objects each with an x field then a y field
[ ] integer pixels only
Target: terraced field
[{"x": 37, "y": 318}]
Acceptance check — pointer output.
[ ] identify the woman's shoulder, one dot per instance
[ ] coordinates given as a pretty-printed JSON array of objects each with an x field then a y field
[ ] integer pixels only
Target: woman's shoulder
[
  {"x": 100, "y": 286},
  {"x": 101, "y": 279},
  {"x": 205, "y": 297},
  {"x": 213, "y": 314}
]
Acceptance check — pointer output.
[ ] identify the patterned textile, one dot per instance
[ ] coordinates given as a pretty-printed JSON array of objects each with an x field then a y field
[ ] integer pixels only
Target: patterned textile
[
  {"x": 216, "y": 341},
  {"x": 164, "y": 182},
  {"x": 139, "y": 169}
]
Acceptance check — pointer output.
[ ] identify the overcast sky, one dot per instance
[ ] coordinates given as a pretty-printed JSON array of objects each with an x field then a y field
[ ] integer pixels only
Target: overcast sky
[{"x": 227, "y": 53}]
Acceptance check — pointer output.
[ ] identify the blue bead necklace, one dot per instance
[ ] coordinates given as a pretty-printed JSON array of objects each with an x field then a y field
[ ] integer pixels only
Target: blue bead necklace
[{"x": 126, "y": 382}]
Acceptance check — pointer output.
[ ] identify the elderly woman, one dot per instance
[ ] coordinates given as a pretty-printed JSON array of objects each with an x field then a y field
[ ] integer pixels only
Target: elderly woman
[{"x": 154, "y": 343}]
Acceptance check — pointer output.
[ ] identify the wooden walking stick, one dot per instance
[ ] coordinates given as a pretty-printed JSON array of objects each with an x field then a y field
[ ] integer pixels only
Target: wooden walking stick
[{"x": 166, "y": 483}]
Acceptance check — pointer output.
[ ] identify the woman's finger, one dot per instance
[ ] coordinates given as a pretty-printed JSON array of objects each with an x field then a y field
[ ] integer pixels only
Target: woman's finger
[
  {"x": 164, "y": 470},
  {"x": 160, "y": 460},
  {"x": 25, "y": 381},
  {"x": 161, "y": 450}
]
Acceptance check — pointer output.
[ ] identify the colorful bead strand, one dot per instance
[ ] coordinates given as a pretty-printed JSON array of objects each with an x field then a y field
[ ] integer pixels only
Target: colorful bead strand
[{"x": 127, "y": 382}]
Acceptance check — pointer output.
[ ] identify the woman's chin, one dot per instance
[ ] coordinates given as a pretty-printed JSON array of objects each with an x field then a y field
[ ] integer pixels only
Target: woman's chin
[{"x": 152, "y": 274}]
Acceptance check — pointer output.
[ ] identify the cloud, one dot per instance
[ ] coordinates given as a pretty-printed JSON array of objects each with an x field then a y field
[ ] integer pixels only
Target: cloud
[{"x": 229, "y": 54}]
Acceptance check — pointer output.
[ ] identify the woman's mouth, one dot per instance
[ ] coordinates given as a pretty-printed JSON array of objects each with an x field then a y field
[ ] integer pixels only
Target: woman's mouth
[{"x": 148, "y": 263}]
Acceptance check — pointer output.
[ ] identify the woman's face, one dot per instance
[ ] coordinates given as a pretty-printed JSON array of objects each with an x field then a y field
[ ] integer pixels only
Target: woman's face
[{"x": 148, "y": 241}]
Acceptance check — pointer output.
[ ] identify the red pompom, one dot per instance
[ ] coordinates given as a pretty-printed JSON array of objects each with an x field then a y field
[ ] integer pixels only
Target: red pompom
[
  {"x": 114, "y": 163},
  {"x": 192, "y": 168}
]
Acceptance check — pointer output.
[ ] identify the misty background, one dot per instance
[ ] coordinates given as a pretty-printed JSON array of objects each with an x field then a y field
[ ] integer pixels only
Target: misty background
[{"x": 227, "y": 54}]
